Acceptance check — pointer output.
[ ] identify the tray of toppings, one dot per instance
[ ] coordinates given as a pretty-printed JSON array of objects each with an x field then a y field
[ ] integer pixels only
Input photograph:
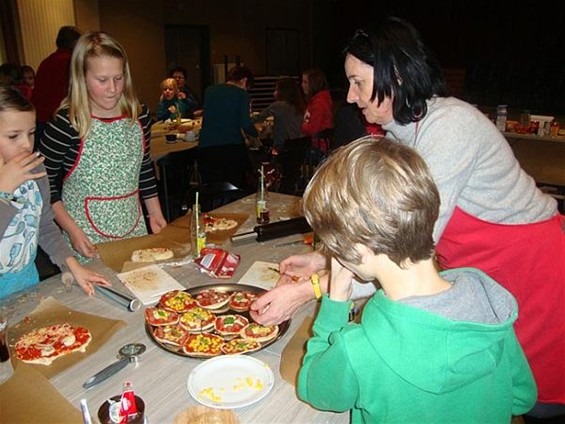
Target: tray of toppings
[{"x": 208, "y": 321}]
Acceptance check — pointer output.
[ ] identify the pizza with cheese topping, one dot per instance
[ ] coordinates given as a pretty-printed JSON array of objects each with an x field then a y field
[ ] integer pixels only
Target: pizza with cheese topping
[
  {"x": 197, "y": 320},
  {"x": 213, "y": 224},
  {"x": 171, "y": 334},
  {"x": 212, "y": 299},
  {"x": 152, "y": 254},
  {"x": 258, "y": 332},
  {"x": 228, "y": 325},
  {"x": 177, "y": 301},
  {"x": 203, "y": 345},
  {"x": 160, "y": 316},
  {"x": 241, "y": 301},
  {"x": 44, "y": 345},
  {"x": 239, "y": 346}
]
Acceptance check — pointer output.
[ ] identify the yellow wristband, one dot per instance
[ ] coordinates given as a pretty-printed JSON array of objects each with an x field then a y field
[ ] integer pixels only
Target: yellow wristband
[{"x": 315, "y": 279}]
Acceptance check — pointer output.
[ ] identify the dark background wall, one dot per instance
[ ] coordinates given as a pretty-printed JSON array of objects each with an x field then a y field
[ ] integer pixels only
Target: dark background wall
[{"x": 511, "y": 55}]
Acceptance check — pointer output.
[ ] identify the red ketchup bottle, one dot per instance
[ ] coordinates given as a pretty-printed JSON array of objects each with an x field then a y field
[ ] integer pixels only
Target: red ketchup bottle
[{"x": 128, "y": 407}]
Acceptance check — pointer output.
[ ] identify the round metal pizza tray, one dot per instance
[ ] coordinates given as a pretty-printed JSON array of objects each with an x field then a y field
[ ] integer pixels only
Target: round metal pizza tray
[{"x": 227, "y": 288}]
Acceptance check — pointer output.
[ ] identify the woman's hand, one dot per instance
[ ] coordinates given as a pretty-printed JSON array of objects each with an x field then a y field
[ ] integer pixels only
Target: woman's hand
[
  {"x": 157, "y": 222},
  {"x": 301, "y": 267},
  {"x": 18, "y": 170},
  {"x": 85, "y": 277}
]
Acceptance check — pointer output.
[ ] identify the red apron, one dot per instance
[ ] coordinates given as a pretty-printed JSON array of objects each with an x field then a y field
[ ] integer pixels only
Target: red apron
[{"x": 529, "y": 261}]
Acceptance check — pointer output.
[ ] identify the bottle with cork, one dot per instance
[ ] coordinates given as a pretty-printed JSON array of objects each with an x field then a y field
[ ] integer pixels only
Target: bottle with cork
[
  {"x": 261, "y": 206},
  {"x": 197, "y": 229}
]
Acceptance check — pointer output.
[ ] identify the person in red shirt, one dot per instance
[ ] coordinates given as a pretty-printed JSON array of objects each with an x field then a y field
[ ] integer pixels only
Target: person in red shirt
[
  {"x": 319, "y": 110},
  {"x": 52, "y": 77}
]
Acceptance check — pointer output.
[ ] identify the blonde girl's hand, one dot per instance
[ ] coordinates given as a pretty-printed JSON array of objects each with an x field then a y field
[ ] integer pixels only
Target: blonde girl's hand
[
  {"x": 19, "y": 170},
  {"x": 85, "y": 277},
  {"x": 82, "y": 244},
  {"x": 173, "y": 109}
]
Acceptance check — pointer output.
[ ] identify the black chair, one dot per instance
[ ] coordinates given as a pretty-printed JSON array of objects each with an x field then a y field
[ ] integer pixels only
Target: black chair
[
  {"x": 292, "y": 158},
  {"x": 176, "y": 174}
]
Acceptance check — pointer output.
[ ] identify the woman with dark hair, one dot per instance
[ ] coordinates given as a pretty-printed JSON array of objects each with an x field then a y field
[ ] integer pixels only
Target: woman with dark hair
[
  {"x": 189, "y": 99},
  {"x": 492, "y": 215},
  {"x": 319, "y": 111},
  {"x": 287, "y": 109},
  {"x": 222, "y": 154}
]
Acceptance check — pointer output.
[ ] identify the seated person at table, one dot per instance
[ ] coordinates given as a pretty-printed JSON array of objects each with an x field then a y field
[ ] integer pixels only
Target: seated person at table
[
  {"x": 26, "y": 217},
  {"x": 288, "y": 111},
  {"x": 193, "y": 110},
  {"x": 431, "y": 347},
  {"x": 171, "y": 104}
]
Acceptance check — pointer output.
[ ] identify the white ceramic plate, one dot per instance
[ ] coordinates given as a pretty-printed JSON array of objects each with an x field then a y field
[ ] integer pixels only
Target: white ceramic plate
[{"x": 227, "y": 382}]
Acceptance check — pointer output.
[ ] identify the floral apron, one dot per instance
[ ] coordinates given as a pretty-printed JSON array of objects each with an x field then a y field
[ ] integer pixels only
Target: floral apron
[
  {"x": 529, "y": 261},
  {"x": 18, "y": 246},
  {"x": 101, "y": 192}
]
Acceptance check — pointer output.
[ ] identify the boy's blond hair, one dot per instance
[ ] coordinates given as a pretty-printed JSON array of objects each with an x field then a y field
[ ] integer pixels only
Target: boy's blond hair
[
  {"x": 96, "y": 44},
  {"x": 378, "y": 193}
]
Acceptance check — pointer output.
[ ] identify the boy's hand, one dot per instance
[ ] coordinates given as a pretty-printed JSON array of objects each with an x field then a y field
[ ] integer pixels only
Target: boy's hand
[
  {"x": 340, "y": 282},
  {"x": 85, "y": 277},
  {"x": 18, "y": 170}
]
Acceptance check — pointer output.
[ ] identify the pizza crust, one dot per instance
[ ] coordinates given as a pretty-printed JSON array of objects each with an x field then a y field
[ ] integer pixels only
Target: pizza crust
[
  {"x": 152, "y": 254},
  {"x": 45, "y": 339}
]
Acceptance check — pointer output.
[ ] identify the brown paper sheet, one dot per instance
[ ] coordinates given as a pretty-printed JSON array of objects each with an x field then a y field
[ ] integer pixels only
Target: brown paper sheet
[
  {"x": 294, "y": 352},
  {"x": 29, "y": 398},
  {"x": 49, "y": 312}
]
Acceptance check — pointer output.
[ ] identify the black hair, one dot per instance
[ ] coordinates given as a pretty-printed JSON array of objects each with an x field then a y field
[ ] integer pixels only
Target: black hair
[
  {"x": 67, "y": 37},
  {"x": 402, "y": 64},
  {"x": 237, "y": 73}
]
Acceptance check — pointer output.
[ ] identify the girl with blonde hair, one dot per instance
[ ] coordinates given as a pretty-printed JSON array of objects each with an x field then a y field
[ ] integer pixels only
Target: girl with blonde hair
[{"x": 96, "y": 151}]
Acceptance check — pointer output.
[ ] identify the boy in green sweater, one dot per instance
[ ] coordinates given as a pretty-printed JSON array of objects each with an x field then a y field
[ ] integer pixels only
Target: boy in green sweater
[{"x": 431, "y": 347}]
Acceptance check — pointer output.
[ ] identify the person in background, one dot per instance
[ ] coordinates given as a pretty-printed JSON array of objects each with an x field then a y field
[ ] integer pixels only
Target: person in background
[
  {"x": 424, "y": 349},
  {"x": 287, "y": 110},
  {"x": 492, "y": 215},
  {"x": 170, "y": 103},
  {"x": 193, "y": 105},
  {"x": 11, "y": 75},
  {"x": 222, "y": 154},
  {"x": 26, "y": 217},
  {"x": 52, "y": 77},
  {"x": 319, "y": 111},
  {"x": 96, "y": 151},
  {"x": 28, "y": 76}
]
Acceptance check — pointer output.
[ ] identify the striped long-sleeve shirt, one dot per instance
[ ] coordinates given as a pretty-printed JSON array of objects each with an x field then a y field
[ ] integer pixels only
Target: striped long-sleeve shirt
[{"x": 60, "y": 145}]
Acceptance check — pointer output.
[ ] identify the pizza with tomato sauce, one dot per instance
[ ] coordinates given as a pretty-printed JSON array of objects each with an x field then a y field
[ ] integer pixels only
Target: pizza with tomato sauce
[
  {"x": 212, "y": 299},
  {"x": 197, "y": 319},
  {"x": 239, "y": 346},
  {"x": 240, "y": 301},
  {"x": 177, "y": 301},
  {"x": 44, "y": 345},
  {"x": 203, "y": 345},
  {"x": 229, "y": 325},
  {"x": 258, "y": 332},
  {"x": 174, "y": 334},
  {"x": 160, "y": 316}
]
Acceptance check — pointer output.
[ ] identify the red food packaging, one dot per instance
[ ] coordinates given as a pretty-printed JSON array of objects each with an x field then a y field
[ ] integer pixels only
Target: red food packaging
[{"x": 217, "y": 263}]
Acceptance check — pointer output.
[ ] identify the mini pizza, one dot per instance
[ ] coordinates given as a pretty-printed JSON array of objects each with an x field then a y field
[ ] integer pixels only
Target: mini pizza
[
  {"x": 160, "y": 316},
  {"x": 229, "y": 325},
  {"x": 44, "y": 345},
  {"x": 239, "y": 346},
  {"x": 152, "y": 254},
  {"x": 212, "y": 224},
  {"x": 177, "y": 301},
  {"x": 212, "y": 299},
  {"x": 171, "y": 334},
  {"x": 203, "y": 345},
  {"x": 241, "y": 301},
  {"x": 197, "y": 320},
  {"x": 259, "y": 332}
]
